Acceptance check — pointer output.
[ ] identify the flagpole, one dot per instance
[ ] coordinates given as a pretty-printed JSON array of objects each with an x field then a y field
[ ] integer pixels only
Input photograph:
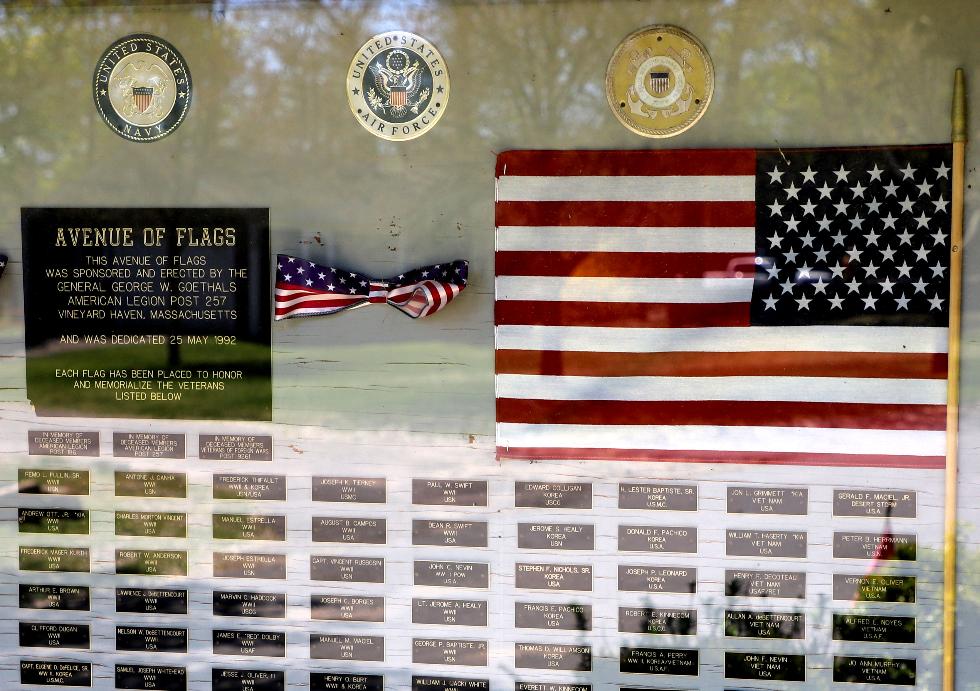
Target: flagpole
[{"x": 952, "y": 409}]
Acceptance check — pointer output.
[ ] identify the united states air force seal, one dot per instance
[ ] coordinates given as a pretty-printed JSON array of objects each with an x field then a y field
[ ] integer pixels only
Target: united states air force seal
[
  {"x": 659, "y": 81},
  {"x": 142, "y": 87},
  {"x": 398, "y": 85}
]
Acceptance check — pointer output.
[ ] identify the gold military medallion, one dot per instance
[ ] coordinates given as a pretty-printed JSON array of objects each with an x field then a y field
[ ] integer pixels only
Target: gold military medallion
[{"x": 659, "y": 81}]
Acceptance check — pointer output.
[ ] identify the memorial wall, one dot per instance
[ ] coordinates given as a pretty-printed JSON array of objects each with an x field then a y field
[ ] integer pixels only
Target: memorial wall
[{"x": 545, "y": 346}]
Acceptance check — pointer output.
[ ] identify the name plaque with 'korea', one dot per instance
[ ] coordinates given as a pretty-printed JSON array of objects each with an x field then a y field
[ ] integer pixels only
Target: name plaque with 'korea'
[{"x": 148, "y": 313}]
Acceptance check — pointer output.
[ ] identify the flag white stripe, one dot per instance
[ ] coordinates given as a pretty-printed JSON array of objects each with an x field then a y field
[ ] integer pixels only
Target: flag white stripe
[
  {"x": 319, "y": 298},
  {"x": 627, "y": 188},
  {"x": 827, "y": 338},
  {"x": 782, "y": 389},
  {"x": 735, "y": 239},
  {"x": 605, "y": 289},
  {"x": 736, "y": 438}
]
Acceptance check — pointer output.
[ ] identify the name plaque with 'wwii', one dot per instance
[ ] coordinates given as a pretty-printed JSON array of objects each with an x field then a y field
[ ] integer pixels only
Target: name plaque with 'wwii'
[{"x": 148, "y": 313}]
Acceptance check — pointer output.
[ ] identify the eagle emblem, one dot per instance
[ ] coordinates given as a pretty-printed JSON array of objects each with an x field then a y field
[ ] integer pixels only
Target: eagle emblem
[{"x": 397, "y": 85}]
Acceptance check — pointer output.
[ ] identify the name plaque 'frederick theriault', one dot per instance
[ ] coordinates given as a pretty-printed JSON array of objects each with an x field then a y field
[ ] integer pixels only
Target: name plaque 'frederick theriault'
[{"x": 148, "y": 313}]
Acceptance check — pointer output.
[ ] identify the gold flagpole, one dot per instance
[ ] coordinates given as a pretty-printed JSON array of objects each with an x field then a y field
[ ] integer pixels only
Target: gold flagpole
[{"x": 952, "y": 409}]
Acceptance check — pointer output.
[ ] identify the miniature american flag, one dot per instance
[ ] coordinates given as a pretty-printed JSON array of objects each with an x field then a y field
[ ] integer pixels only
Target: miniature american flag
[
  {"x": 305, "y": 288},
  {"x": 724, "y": 305}
]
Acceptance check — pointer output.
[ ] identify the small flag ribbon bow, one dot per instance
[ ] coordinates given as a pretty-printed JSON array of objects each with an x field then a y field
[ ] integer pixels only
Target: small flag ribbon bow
[{"x": 307, "y": 289}]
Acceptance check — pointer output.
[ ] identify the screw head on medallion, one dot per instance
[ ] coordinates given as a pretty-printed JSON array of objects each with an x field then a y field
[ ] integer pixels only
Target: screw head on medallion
[
  {"x": 398, "y": 85},
  {"x": 659, "y": 81}
]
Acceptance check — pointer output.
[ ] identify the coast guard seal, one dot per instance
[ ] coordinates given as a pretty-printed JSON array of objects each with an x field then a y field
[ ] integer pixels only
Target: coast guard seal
[
  {"x": 142, "y": 87},
  {"x": 659, "y": 81},
  {"x": 397, "y": 85}
]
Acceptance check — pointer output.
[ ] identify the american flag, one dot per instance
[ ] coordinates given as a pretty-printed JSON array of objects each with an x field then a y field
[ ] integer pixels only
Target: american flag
[
  {"x": 744, "y": 306},
  {"x": 305, "y": 288}
]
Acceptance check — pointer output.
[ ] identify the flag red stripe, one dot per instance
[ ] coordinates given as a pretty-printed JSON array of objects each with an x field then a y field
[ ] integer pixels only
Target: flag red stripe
[
  {"x": 754, "y": 364},
  {"x": 621, "y": 314},
  {"x": 723, "y": 413},
  {"x": 662, "y": 162},
  {"x": 753, "y": 458},
  {"x": 625, "y": 264},
  {"x": 627, "y": 214}
]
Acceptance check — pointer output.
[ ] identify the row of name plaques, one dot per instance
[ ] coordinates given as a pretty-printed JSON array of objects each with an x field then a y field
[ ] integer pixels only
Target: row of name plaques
[
  {"x": 681, "y": 662},
  {"x": 786, "y": 501}
]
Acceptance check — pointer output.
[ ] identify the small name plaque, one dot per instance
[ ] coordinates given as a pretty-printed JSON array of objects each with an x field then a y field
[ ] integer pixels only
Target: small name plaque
[
  {"x": 54, "y": 559},
  {"x": 657, "y": 579},
  {"x": 331, "y": 681},
  {"x": 151, "y": 678},
  {"x": 252, "y": 643},
  {"x": 151, "y": 601},
  {"x": 148, "y": 445},
  {"x": 245, "y": 603},
  {"x": 151, "y": 524},
  {"x": 561, "y": 536},
  {"x": 445, "y": 651},
  {"x": 766, "y": 543},
  {"x": 449, "y": 492},
  {"x": 53, "y": 521},
  {"x": 576, "y": 577},
  {"x": 867, "y": 628},
  {"x": 64, "y": 597},
  {"x": 52, "y": 635},
  {"x": 553, "y": 656},
  {"x": 767, "y": 666},
  {"x": 449, "y": 533},
  {"x": 150, "y": 484},
  {"x": 235, "y": 447},
  {"x": 675, "y": 661},
  {"x": 449, "y": 612},
  {"x": 249, "y": 565},
  {"x": 874, "y": 503},
  {"x": 324, "y": 646},
  {"x": 144, "y": 562},
  {"x": 553, "y": 616},
  {"x": 634, "y": 495},
  {"x": 55, "y": 673},
  {"x": 424, "y": 683},
  {"x": 651, "y": 538},
  {"x": 250, "y": 487},
  {"x": 371, "y": 531},
  {"x": 742, "y": 623},
  {"x": 347, "y": 608},
  {"x": 247, "y": 680},
  {"x": 47, "y": 442},
  {"x": 877, "y": 546},
  {"x": 553, "y": 495},
  {"x": 235, "y": 526},
  {"x": 786, "y": 501},
  {"x": 350, "y": 490},
  {"x": 779, "y": 584},
  {"x": 147, "y": 639},
  {"x": 347, "y": 569},
  {"x": 658, "y": 621},
  {"x": 452, "y": 574},
  {"x": 874, "y": 670},
  {"x": 42, "y": 481},
  {"x": 874, "y": 588}
]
